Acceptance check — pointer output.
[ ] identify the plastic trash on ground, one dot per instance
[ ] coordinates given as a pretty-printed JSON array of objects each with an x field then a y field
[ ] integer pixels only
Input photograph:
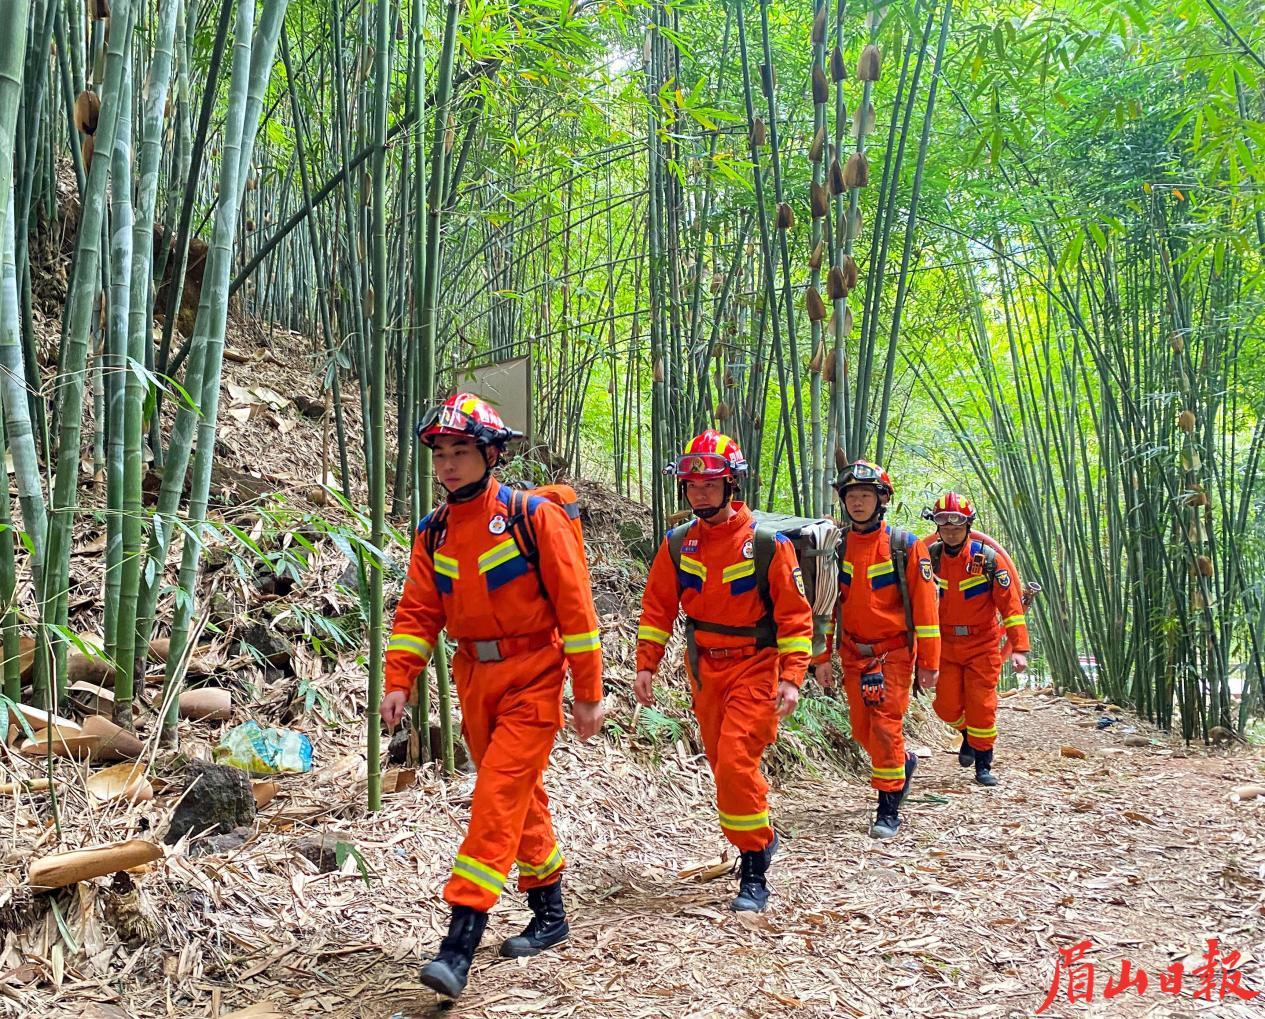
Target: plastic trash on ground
[{"x": 262, "y": 751}]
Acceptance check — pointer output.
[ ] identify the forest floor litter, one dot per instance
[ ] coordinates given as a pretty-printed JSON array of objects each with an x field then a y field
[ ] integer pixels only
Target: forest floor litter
[{"x": 1119, "y": 835}]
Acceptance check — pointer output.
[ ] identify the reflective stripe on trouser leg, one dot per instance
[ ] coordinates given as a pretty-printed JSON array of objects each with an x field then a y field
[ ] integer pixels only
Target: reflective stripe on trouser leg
[
  {"x": 879, "y": 728},
  {"x": 735, "y": 709},
  {"x": 539, "y": 859},
  {"x": 949, "y": 703},
  {"x": 510, "y": 729},
  {"x": 982, "y": 674}
]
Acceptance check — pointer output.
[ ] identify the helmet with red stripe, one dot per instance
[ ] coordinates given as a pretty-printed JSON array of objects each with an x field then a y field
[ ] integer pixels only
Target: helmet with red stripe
[
  {"x": 953, "y": 510},
  {"x": 710, "y": 454},
  {"x": 465, "y": 414}
]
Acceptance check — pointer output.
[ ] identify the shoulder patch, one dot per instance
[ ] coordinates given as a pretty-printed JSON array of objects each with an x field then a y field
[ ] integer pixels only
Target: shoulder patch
[
  {"x": 1003, "y": 578},
  {"x": 798, "y": 574},
  {"x": 925, "y": 566}
]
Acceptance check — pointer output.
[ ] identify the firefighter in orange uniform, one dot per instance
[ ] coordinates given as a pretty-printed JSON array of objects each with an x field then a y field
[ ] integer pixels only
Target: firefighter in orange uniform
[
  {"x": 979, "y": 601},
  {"x": 887, "y": 625},
  {"x": 749, "y": 636},
  {"x": 518, "y": 627}
]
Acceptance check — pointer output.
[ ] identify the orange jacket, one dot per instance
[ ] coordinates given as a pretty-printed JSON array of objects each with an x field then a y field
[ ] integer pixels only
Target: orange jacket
[
  {"x": 717, "y": 584},
  {"x": 480, "y": 587},
  {"x": 870, "y": 607},
  {"x": 973, "y": 602}
]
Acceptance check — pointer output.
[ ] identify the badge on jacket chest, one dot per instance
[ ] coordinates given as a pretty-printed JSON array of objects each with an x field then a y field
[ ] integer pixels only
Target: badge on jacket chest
[
  {"x": 690, "y": 547},
  {"x": 497, "y": 524},
  {"x": 748, "y": 549}
]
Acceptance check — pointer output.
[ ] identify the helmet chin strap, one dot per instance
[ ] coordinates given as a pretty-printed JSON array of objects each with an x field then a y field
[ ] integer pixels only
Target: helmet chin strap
[{"x": 707, "y": 512}]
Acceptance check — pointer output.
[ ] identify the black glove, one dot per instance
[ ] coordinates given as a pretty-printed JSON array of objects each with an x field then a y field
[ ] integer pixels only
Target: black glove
[{"x": 872, "y": 684}]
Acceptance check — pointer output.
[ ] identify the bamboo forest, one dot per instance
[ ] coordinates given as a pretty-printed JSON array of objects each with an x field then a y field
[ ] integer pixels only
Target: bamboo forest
[{"x": 591, "y": 465}]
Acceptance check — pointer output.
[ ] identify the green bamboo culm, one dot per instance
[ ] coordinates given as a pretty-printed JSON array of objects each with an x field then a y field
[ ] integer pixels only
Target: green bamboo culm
[
  {"x": 50, "y": 675},
  {"x": 253, "y": 54},
  {"x": 434, "y": 212},
  {"x": 115, "y": 347},
  {"x": 423, "y": 391},
  {"x": 13, "y": 21},
  {"x": 153, "y": 103},
  {"x": 377, "y": 401}
]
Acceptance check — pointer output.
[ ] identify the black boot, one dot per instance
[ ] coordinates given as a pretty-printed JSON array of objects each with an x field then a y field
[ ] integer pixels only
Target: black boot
[
  {"x": 753, "y": 890},
  {"x": 966, "y": 753},
  {"x": 548, "y": 925},
  {"x": 911, "y": 765},
  {"x": 448, "y": 971},
  {"x": 887, "y": 824},
  {"x": 984, "y": 768}
]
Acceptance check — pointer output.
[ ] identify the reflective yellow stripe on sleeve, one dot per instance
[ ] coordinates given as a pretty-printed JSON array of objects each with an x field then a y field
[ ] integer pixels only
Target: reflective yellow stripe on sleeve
[
  {"x": 411, "y": 645},
  {"x": 1010, "y": 621},
  {"x": 574, "y": 643},
  {"x": 926, "y": 631},
  {"x": 785, "y": 645},
  {"x": 652, "y": 634}
]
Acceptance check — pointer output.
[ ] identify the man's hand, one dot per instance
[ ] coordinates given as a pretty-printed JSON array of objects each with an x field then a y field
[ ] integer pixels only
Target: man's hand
[
  {"x": 787, "y": 698},
  {"x": 392, "y": 708},
  {"x": 928, "y": 678},
  {"x": 586, "y": 718},
  {"x": 1019, "y": 662},
  {"x": 643, "y": 688},
  {"x": 825, "y": 675}
]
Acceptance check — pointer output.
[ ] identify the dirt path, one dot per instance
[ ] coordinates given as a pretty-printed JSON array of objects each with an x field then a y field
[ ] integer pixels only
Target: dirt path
[{"x": 1138, "y": 850}]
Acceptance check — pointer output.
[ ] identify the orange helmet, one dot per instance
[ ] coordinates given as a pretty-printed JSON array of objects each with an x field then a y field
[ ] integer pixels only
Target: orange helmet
[
  {"x": 709, "y": 455},
  {"x": 863, "y": 472},
  {"x": 468, "y": 415},
  {"x": 952, "y": 509}
]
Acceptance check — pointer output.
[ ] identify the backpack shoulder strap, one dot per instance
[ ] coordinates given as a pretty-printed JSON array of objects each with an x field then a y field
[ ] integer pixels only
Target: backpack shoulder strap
[
  {"x": 936, "y": 550},
  {"x": 520, "y": 526},
  {"x": 435, "y": 528},
  {"x": 765, "y": 539},
  {"x": 901, "y": 542},
  {"x": 676, "y": 541}
]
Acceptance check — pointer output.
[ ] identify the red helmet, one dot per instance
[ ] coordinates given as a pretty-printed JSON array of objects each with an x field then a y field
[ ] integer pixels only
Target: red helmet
[
  {"x": 709, "y": 455},
  {"x": 863, "y": 472},
  {"x": 952, "y": 509},
  {"x": 468, "y": 415}
]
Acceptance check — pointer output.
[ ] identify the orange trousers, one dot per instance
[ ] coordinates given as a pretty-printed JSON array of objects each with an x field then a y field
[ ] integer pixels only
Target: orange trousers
[
  {"x": 879, "y": 728},
  {"x": 966, "y": 696},
  {"x": 735, "y": 701},
  {"x": 510, "y": 713}
]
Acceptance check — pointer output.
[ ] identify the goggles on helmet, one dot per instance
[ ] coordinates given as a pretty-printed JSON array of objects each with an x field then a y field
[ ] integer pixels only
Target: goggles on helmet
[{"x": 700, "y": 465}]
